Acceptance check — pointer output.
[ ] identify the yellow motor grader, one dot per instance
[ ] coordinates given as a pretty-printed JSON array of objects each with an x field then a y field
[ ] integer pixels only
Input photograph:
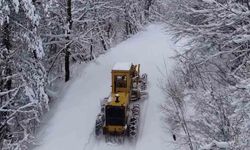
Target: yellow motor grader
[{"x": 120, "y": 112}]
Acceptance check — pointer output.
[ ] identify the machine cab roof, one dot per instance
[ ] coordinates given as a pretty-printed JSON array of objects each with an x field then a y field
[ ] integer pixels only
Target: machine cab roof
[{"x": 122, "y": 66}]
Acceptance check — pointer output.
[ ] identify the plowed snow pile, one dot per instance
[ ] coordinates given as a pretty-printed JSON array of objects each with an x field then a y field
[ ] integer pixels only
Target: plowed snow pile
[{"x": 72, "y": 125}]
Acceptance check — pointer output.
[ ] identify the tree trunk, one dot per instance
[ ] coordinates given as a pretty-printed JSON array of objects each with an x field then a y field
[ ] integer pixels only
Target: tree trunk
[
  {"x": 103, "y": 43},
  {"x": 101, "y": 38},
  {"x": 91, "y": 50},
  {"x": 248, "y": 5},
  {"x": 67, "y": 65},
  {"x": 109, "y": 30},
  {"x": 5, "y": 84},
  {"x": 67, "y": 49},
  {"x": 148, "y": 3},
  {"x": 6, "y": 43}
]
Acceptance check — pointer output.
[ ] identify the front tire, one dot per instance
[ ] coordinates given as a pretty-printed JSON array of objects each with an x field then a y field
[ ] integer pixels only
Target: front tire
[{"x": 99, "y": 124}]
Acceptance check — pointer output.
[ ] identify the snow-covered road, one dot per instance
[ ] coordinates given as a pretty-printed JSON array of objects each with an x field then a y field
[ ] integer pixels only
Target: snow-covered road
[{"x": 71, "y": 127}]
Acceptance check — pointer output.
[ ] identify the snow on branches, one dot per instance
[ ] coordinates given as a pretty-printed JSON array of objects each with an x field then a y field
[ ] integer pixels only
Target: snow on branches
[
  {"x": 214, "y": 69},
  {"x": 40, "y": 37},
  {"x": 22, "y": 77}
]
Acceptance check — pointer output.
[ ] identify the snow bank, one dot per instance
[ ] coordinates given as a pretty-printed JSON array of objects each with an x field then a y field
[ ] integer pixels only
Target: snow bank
[{"x": 215, "y": 144}]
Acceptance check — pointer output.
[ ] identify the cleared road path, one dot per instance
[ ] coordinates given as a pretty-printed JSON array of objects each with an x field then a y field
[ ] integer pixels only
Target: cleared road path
[{"x": 72, "y": 124}]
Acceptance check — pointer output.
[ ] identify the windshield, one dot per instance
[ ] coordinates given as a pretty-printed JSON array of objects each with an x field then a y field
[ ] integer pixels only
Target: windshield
[{"x": 121, "y": 81}]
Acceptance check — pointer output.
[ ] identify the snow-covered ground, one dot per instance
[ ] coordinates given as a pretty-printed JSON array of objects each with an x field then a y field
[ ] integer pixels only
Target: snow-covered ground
[{"x": 72, "y": 125}]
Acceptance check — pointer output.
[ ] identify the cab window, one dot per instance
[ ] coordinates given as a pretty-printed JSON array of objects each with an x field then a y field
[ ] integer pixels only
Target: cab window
[{"x": 120, "y": 81}]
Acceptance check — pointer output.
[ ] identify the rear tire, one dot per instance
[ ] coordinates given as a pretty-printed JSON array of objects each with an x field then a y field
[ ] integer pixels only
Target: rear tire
[{"x": 134, "y": 122}]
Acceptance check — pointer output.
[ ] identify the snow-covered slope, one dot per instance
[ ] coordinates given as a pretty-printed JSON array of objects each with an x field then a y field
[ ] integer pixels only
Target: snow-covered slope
[{"x": 72, "y": 125}]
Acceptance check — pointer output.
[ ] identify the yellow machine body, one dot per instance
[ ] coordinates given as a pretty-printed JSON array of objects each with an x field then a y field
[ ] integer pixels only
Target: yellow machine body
[{"x": 124, "y": 77}]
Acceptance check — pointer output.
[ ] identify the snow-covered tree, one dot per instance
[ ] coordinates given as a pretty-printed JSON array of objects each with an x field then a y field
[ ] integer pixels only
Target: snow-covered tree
[
  {"x": 214, "y": 67},
  {"x": 94, "y": 27},
  {"x": 39, "y": 42},
  {"x": 22, "y": 93}
]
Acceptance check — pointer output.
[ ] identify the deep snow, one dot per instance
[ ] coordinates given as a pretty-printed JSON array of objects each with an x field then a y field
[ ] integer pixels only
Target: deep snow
[{"x": 72, "y": 125}]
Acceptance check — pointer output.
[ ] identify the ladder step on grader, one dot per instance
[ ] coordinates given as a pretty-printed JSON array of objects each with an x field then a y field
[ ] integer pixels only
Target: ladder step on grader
[{"x": 120, "y": 112}]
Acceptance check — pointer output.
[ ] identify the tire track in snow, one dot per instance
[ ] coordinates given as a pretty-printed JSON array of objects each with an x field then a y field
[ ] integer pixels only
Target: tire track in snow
[
  {"x": 90, "y": 141},
  {"x": 144, "y": 108}
]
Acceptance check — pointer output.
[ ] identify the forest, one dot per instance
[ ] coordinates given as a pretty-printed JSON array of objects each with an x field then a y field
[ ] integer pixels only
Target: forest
[
  {"x": 40, "y": 41},
  {"x": 207, "y": 102},
  {"x": 208, "y": 105}
]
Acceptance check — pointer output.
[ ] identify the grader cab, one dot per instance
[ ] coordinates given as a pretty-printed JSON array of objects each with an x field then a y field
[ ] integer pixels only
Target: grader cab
[{"x": 120, "y": 111}]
